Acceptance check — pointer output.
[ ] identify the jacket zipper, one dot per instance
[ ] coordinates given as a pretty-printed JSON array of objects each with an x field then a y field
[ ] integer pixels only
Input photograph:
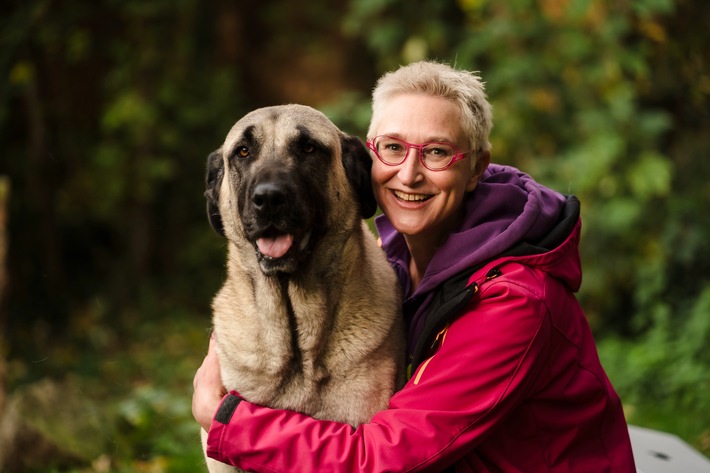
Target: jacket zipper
[{"x": 442, "y": 335}]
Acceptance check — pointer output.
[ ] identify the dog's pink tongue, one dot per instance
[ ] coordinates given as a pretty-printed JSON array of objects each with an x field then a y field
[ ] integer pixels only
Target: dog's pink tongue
[{"x": 275, "y": 247}]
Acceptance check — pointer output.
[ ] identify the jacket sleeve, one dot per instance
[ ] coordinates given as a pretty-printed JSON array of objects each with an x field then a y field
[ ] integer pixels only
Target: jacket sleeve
[{"x": 485, "y": 366}]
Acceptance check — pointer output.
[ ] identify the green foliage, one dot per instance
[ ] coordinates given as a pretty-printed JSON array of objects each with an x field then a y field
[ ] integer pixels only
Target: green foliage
[
  {"x": 139, "y": 382},
  {"x": 117, "y": 146},
  {"x": 667, "y": 371}
]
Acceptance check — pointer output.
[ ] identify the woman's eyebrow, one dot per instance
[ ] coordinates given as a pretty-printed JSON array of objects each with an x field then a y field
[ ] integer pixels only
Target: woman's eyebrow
[
  {"x": 439, "y": 139},
  {"x": 431, "y": 139}
]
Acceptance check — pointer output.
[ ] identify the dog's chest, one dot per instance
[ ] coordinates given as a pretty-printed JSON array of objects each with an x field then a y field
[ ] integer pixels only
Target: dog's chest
[{"x": 275, "y": 349}]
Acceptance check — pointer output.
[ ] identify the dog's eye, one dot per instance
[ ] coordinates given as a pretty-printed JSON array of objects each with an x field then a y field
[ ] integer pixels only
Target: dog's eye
[
  {"x": 242, "y": 152},
  {"x": 308, "y": 148}
]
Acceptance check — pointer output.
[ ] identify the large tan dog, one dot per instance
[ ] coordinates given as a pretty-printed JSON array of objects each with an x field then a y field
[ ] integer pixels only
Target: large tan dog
[{"x": 309, "y": 316}]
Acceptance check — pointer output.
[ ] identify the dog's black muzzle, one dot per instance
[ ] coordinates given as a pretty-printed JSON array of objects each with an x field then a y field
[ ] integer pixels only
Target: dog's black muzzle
[{"x": 278, "y": 219}]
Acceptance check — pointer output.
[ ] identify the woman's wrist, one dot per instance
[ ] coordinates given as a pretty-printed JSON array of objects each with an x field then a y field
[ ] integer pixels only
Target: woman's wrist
[
  {"x": 208, "y": 389},
  {"x": 205, "y": 408}
]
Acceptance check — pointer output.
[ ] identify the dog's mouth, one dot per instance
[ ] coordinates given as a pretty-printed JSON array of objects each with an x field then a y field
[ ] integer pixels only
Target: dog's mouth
[{"x": 274, "y": 245}]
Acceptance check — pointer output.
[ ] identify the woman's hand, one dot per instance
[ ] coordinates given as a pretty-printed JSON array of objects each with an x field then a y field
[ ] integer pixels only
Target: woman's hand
[{"x": 208, "y": 389}]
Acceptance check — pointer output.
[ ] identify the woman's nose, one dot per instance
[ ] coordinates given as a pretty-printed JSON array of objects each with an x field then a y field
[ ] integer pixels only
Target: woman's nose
[{"x": 410, "y": 170}]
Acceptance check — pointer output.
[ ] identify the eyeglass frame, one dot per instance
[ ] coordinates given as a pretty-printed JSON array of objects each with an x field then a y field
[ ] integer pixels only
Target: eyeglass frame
[{"x": 370, "y": 143}]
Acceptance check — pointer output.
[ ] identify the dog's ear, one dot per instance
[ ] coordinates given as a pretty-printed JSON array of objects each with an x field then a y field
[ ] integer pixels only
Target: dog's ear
[
  {"x": 213, "y": 180},
  {"x": 358, "y": 164}
]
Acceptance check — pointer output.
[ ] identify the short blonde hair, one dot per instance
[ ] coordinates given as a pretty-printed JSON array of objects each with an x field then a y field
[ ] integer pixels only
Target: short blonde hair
[{"x": 464, "y": 88}]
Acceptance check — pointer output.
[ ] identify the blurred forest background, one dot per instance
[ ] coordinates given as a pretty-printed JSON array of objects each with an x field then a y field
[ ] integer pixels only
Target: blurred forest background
[{"x": 109, "y": 108}]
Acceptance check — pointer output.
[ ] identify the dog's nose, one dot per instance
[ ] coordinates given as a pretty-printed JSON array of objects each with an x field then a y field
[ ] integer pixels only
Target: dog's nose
[{"x": 268, "y": 197}]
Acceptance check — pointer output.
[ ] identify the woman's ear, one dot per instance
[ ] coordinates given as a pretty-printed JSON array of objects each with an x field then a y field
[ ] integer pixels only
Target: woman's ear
[{"x": 483, "y": 159}]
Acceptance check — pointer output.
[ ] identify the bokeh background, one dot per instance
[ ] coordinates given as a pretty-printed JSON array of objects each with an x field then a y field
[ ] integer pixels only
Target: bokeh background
[{"x": 109, "y": 108}]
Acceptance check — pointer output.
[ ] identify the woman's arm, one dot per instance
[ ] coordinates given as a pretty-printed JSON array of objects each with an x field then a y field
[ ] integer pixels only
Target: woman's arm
[{"x": 484, "y": 367}]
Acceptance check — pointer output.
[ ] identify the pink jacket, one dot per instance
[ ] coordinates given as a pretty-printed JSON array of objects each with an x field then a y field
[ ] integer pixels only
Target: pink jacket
[{"x": 514, "y": 384}]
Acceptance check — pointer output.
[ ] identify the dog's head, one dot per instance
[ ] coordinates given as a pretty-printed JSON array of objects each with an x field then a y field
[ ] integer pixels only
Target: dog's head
[{"x": 284, "y": 177}]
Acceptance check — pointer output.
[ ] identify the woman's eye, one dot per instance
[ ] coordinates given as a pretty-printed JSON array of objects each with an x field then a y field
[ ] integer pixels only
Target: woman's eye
[
  {"x": 438, "y": 152},
  {"x": 242, "y": 152}
]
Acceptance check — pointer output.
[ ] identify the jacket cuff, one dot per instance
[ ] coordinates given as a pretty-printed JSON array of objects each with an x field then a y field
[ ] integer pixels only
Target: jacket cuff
[
  {"x": 224, "y": 414},
  {"x": 227, "y": 408}
]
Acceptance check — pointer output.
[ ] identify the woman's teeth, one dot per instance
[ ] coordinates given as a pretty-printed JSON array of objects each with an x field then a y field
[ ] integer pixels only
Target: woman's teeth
[{"x": 411, "y": 197}]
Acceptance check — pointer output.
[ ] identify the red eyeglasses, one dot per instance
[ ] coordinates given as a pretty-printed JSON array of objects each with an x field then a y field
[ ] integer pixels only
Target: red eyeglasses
[{"x": 435, "y": 156}]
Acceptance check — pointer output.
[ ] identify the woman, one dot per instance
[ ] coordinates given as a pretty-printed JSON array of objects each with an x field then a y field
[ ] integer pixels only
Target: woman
[{"x": 505, "y": 373}]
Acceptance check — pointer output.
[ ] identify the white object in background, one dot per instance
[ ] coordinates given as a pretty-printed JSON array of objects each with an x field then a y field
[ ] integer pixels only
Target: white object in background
[{"x": 660, "y": 452}]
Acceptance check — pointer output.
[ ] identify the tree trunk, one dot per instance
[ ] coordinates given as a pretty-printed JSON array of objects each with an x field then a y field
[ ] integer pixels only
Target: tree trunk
[{"x": 4, "y": 197}]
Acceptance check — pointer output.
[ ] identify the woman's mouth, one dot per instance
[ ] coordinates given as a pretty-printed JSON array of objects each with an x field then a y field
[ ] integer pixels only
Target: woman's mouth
[{"x": 407, "y": 197}]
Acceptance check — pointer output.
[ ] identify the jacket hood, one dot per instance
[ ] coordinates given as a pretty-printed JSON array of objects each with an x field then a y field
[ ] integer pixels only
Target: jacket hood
[{"x": 507, "y": 213}]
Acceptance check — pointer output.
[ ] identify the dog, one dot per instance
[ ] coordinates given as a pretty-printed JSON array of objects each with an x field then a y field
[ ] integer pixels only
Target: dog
[{"x": 309, "y": 316}]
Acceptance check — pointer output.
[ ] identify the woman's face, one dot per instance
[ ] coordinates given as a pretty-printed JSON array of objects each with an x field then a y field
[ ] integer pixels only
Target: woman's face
[{"x": 422, "y": 203}]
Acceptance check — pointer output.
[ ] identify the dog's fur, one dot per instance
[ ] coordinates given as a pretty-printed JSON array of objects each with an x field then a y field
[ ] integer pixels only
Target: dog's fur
[{"x": 316, "y": 329}]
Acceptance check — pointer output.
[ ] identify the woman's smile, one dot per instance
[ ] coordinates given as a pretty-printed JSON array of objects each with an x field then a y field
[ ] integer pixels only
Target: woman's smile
[{"x": 410, "y": 197}]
